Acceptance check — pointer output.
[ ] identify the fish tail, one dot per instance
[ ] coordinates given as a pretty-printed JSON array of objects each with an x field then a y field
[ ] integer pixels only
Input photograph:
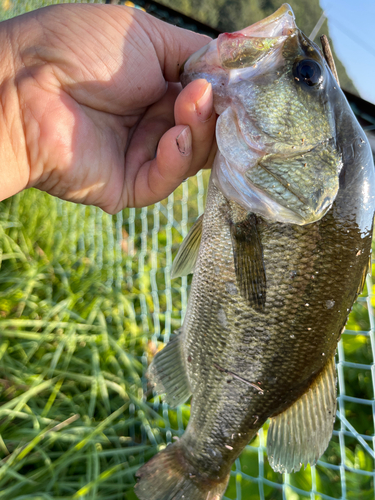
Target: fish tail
[{"x": 169, "y": 476}]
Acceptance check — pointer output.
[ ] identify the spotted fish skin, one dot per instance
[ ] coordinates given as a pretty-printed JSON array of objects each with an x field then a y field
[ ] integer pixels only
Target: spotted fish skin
[
  {"x": 278, "y": 268},
  {"x": 313, "y": 274}
]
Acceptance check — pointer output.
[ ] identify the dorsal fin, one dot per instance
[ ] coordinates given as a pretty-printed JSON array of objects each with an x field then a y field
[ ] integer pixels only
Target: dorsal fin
[
  {"x": 187, "y": 254},
  {"x": 301, "y": 433}
]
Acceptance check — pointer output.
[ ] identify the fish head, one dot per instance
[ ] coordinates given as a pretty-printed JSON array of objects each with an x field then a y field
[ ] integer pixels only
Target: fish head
[{"x": 277, "y": 102}]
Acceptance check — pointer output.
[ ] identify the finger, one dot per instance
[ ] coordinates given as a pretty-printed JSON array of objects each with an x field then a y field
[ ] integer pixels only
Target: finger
[
  {"x": 146, "y": 135},
  {"x": 182, "y": 151},
  {"x": 121, "y": 59},
  {"x": 158, "y": 178},
  {"x": 173, "y": 45},
  {"x": 194, "y": 107}
]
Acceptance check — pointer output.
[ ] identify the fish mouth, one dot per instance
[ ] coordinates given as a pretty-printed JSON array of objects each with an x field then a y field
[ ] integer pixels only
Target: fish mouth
[
  {"x": 244, "y": 49},
  {"x": 271, "y": 176},
  {"x": 231, "y": 52}
]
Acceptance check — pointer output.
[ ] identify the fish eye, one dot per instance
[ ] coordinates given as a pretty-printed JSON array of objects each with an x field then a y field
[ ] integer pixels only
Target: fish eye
[{"x": 307, "y": 71}]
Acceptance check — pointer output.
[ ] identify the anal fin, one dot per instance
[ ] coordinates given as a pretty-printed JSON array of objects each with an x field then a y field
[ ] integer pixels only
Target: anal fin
[
  {"x": 184, "y": 262},
  {"x": 168, "y": 373},
  {"x": 302, "y": 433}
]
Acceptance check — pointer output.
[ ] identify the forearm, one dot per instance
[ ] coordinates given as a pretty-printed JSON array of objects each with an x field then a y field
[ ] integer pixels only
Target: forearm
[{"x": 14, "y": 165}]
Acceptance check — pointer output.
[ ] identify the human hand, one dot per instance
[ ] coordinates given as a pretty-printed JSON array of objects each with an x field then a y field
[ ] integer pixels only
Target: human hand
[{"x": 89, "y": 95}]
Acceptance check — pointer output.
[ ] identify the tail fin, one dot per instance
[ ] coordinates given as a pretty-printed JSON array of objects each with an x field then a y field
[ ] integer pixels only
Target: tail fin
[{"x": 168, "y": 476}]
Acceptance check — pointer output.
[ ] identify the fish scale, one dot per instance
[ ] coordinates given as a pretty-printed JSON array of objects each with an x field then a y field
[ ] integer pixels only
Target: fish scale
[
  {"x": 278, "y": 259},
  {"x": 271, "y": 355},
  {"x": 287, "y": 112}
]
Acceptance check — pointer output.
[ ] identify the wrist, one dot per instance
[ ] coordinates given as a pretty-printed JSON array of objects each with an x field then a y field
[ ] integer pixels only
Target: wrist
[{"x": 14, "y": 165}]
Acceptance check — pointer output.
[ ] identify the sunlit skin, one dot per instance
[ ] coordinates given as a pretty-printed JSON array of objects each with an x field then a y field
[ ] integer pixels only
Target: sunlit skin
[{"x": 91, "y": 108}]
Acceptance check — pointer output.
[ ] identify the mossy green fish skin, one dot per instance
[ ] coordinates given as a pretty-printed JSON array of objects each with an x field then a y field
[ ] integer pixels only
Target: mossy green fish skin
[{"x": 284, "y": 248}]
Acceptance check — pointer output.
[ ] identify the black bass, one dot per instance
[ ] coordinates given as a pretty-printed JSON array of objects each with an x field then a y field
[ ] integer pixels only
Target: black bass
[{"x": 278, "y": 258}]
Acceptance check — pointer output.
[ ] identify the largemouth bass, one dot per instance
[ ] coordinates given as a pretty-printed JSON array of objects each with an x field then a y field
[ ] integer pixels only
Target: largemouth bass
[{"x": 278, "y": 258}]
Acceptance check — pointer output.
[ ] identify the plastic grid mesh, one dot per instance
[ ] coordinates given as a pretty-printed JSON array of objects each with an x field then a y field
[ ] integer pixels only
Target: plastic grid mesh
[
  {"x": 284, "y": 487},
  {"x": 153, "y": 261},
  {"x": 135, "y": 254}
]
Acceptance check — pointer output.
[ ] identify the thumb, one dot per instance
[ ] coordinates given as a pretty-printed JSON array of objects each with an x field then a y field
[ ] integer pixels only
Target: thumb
[{"x": 172, "y": 45}]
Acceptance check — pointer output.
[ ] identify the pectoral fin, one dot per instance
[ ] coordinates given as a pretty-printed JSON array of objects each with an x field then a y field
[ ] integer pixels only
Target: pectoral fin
[
  {"x": 302, "y": 432},
  {"x": 248, "y": 261},
  {"x": 186, "y": 257},
  {"x": 168, "y": 373}
]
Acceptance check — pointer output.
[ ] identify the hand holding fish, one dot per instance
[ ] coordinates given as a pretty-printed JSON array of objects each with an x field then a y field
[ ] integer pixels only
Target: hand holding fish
[{"x": 91, "y": 108}]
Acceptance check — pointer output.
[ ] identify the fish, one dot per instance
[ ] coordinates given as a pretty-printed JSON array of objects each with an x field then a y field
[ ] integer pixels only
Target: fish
[{"x": 278, "y": 259}]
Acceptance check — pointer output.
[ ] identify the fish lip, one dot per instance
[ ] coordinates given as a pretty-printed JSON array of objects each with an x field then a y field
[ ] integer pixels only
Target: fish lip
[
  {"x": 243, "y": 50},
  {"x": 193, "y": 59},
  {"x": 280, "y": 23}
]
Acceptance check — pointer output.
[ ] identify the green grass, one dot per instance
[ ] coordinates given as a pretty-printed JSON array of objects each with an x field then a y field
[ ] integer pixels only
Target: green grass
[
  {"x": 85, "y": 300},
  {"x": 81, "y": 297},
  {"x": 11, "y": 8},
  {"x": 66, "y": 360}
]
